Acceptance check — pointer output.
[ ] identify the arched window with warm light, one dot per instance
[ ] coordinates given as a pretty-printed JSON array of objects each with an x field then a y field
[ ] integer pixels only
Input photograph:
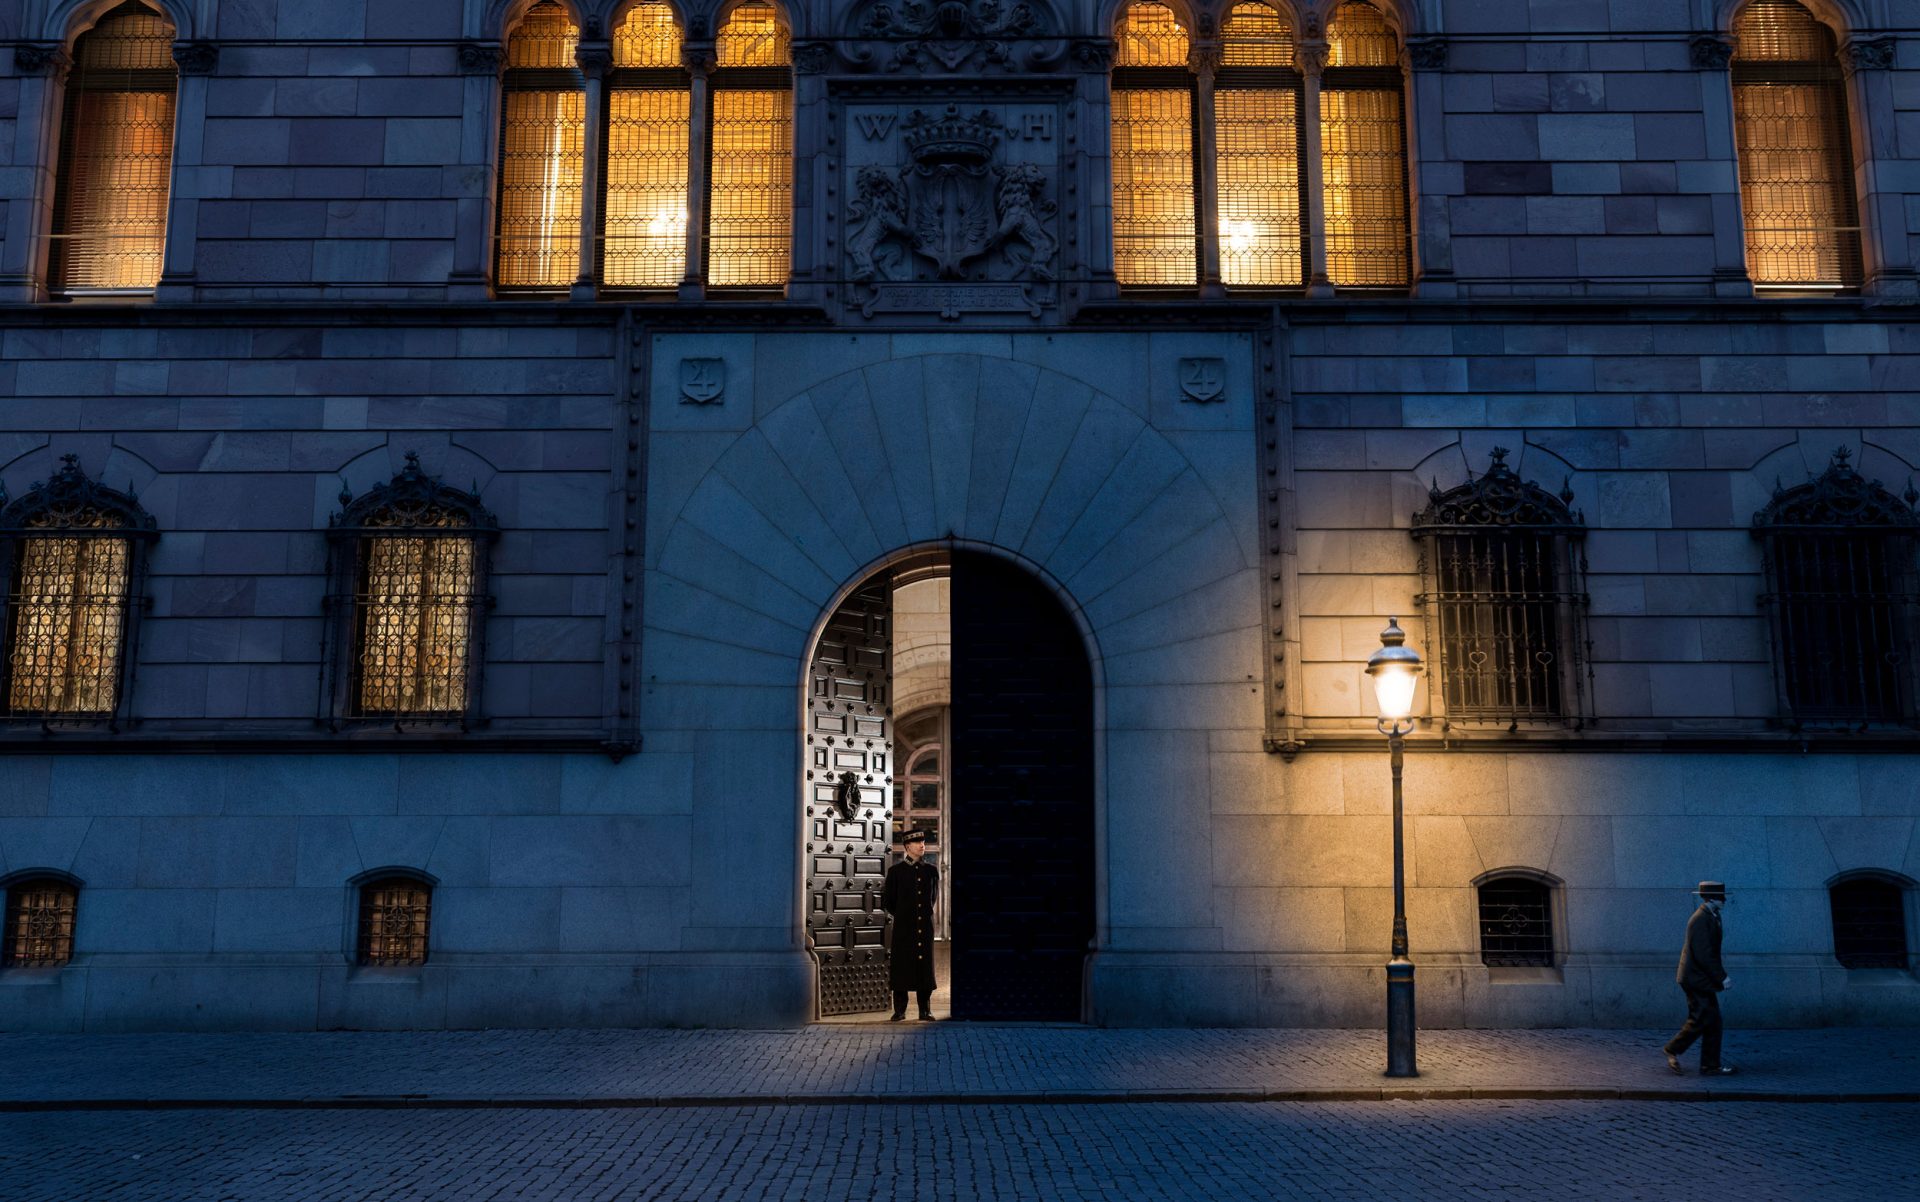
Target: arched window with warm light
[
  {"x": 1841, "y": 598},
  {"x": 1155, "y": 235},
  {"x": 76, "y": 553},
  {"x": 1363, "y": 151},
  {"x": 1794, "y": 149},
  {"x": 394, "y": 927},
  {"x": 1257, "y": 150},
  {"x": 409, "y": 601},
  {"x": 644, "y": 242},
  {"x": 42, "y": 909},
  {"x": 1869, "y": 912},
  {"x": 542, "y": 140},
  {"x": 750, "y": 180},
  {"x": 1501, "y": 566},
  {"x": 113, "y": 180}
]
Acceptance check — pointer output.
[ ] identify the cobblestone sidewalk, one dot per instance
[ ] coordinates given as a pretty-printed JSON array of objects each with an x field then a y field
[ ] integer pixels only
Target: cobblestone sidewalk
[{"x": 945, "y": 1062}]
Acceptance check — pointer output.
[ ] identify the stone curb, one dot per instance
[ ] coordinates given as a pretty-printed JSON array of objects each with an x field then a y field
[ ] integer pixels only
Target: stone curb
[{"x": 961, "y": 1098}]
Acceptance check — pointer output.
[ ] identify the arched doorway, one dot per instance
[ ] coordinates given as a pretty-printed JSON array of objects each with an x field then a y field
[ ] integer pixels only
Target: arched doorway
[{"x": 1014, "y": 811}]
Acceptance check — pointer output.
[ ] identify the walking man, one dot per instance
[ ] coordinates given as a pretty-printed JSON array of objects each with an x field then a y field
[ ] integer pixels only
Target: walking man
[
  {"x": 1702, "y": 978},
  {"x": 908, "y": 896}
]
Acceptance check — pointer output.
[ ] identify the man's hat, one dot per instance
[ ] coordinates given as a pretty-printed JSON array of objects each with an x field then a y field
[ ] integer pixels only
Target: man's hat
[
  {"x": 916, "y": 835},
  {"x": 1712, "y": 889}
]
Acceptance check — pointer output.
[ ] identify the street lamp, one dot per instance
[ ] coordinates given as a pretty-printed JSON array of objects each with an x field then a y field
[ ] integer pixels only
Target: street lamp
[{"x": 1395, "y": 669}]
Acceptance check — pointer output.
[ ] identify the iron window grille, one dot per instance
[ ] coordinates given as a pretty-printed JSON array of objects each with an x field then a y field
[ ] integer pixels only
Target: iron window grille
[
  {"x": 408, "y": 603},
  {"x": 1869, "y": 923},
  {"x": 39, "y": 923},
  {"x": 1503, "y": 565},
  {"x": 1841, "y": 598},
  {"x": 395, "y": 920},
  {"x": 1794, "y": 150},
  {"x": 543, "y": 115},
  {"x": 116, "y": 156},
  {"x": 1516, "y": 923},
  {"x": 76, "y": 569}
]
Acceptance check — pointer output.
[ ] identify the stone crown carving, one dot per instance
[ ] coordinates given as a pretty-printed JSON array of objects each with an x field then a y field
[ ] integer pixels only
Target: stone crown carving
[{"x": 954, "y": 35}]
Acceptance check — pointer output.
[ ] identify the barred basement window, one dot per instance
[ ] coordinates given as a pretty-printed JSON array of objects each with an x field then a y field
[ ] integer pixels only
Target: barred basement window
[
  {"x": 1794, "y": 150},
  {"x": 1155, "y": 237},
  {"x": 1869, "y": 922},
  {"x": 116, "y": 155},
  {"x": 1516, "y": 923},
  {"x": 750, "y": 185},
  {"x": 1257, "y": 151},
  {"x": 77, "y": 552},
  {"x": 542, "y": 139},
  {"x": 39, "y": 923},
  {"x": 1504, "y": 592},
  {"x": 649, "y": 114},
  {"x": 394, "y": 914},
  {"x": 1363, "y": 152},
  {"x": 409, "y": 572},
  {"x": 1841, "y": 594}
]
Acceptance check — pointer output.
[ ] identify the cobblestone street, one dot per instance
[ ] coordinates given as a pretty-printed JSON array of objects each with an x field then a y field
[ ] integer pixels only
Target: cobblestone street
[{"x": 1513, "y": 1149}]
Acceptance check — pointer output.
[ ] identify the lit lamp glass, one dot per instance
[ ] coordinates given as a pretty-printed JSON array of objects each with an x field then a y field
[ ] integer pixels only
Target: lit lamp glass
[{"x": 1395, "y": 669}]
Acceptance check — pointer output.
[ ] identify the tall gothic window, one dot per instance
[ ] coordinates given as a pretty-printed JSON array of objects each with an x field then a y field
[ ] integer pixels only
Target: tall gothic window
[
  {"x": 394, "y": 914},
  {"x": 1363, "y": 151},
  {"x": 39, "y": 923},
  {"x": 409, "y": 570},
  {"x": 1154, "y": 234},
  {"x": 1501, "y": 563},
  {"x": 542, "y": 138},
  {"x": 1796, "y": 165},
  {"x": 76, "y": 553},
  {"x": 1243, "y": 107},
  {"x": 738, "y": 124},
  {"x": 116, "y": 155},
  {"x": 1841, "y": 593}
]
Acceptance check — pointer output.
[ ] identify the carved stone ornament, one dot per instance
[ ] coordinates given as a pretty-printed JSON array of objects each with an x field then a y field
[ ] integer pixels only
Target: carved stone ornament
[
  {"x": 811, "y": 58},
  {"x": 31, "y": 58},
  {"x": 952, "y": 35},
  {"x": 1867, "y": 54},
  {"x": 1498, "y": 498},
  {"x": 1428, "y": 54},
  {"x": 70, "y": 500},
  {"x": 412, "y": 500},
  {"x": 1093, "y": 54},
  {"x": 480, "y": 58},
  {"x": 1203, "y": 381},
  {"x": 196, "y": 58},
  {"x": 1709, "y": 52},
  {"x": 951, "y": 205},
  {"x": 1839, "y": 496},
  {"x": 702, "y": 381}
]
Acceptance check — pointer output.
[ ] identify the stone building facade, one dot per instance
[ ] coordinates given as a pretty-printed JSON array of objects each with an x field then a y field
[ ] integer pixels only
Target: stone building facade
[{"x": 971, "y": 347}]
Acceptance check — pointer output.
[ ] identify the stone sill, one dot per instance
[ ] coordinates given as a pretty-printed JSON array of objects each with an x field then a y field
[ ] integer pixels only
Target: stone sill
[{"x": 1516, "y": 975}]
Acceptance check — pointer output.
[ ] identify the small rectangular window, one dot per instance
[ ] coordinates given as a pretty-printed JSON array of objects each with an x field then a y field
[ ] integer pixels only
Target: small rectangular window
[
  {"x": 1516, "y": 924},
  {"x": 394, "y": 916},
  {"x": 39, "y": 924}
]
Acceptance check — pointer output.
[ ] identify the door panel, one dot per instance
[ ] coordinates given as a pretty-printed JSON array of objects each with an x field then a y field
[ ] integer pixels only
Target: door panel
[
  {"x": 1022, "y": 805},
  {"x": 849, "y": 799}
]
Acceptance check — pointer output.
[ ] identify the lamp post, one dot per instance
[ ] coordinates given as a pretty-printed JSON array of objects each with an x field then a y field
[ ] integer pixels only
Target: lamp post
[{"x": 1395, "y": 668}]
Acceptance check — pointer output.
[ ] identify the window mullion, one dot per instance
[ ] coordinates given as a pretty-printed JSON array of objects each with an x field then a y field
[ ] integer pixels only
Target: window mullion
[
  {"x": 1313, "y": 60},
  {"x": 1204, "y": 61},
  {"x": 700, "y": 63},
  {"x": 594, "y": 59}
]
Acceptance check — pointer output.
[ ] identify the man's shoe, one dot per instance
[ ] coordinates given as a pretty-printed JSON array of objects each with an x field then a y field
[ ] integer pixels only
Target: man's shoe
[
  {"x": 926, "y": 1016},
  {"x": 1718, "y": 1070},
  {"x": 897, "y": 1016},
  {"x": 1673, "y": 1062}
]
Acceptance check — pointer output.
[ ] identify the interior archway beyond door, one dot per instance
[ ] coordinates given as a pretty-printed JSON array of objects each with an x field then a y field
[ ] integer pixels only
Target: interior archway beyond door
[{"x": 1022, "y": 797}]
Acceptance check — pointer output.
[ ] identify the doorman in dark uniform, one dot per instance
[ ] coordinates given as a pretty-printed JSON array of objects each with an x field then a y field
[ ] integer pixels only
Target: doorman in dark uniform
[
  {"x": 908, "y": 897},
  {"x": 1702, "y": 978}
]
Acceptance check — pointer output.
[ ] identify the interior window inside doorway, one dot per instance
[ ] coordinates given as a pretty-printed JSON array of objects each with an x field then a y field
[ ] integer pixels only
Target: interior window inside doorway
[{"x": 922, "y": 697}]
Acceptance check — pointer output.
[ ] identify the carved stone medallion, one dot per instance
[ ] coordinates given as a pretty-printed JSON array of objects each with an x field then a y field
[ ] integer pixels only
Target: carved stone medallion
[{"x": 954, "y": 35}]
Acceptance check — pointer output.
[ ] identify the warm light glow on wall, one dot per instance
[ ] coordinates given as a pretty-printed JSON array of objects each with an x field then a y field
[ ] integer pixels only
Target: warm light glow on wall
[
  {"x": 116, "y": 155},
  {"x": 1153, "y": 200},
  {"x": 543, "y": 135},
  {"x": 750, "y": 200},
  {"x": 67, "y": 614}
]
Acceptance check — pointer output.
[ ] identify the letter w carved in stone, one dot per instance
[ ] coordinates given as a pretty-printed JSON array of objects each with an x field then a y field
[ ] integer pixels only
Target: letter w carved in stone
[{"x": 875, "y": 125}]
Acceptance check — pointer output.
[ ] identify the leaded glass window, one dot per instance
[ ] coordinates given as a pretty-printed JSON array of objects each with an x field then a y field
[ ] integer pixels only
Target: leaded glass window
[
  {"x": 412, "y": 556},
  {"x": 394, "y": 917},
  {"x": 1500, "y": 559},
  {"x": 75, "y": 553},
  {"x": 1363, "y": 152},
  {"x": 1155, "y": 238},
  {"x": 749, "y": 205},
  {"x": 542, "y": 141},
  {"x": 1257, "y": 150},
  {"x": 116, "y": 155},
  {"x": 39, "y": 923},
  {"x": 1841, "y": 594},
  {"x": 1516, "y": 923},
  {"x": 648, "y": 115},
  {"x": 1869, "y": 922},
  {"x": 1793, "y": 146}
]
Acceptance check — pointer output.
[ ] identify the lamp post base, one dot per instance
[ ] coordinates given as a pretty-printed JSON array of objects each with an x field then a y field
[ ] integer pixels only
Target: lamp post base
[{"x": 1400, "y": 1055}]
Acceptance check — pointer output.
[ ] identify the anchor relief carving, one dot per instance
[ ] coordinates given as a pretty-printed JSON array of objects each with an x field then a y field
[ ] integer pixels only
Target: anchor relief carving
[{"x": 951, "y": 212}]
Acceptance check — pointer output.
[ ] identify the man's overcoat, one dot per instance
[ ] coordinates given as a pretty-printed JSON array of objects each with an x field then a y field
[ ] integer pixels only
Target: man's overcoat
[
  {"x": 1700, "y": 969},
  {"x": 908, "y": 896}
]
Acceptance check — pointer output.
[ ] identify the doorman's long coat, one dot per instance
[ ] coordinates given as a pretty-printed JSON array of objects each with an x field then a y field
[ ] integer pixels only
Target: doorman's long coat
[{"x": 908, "y": 896}]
